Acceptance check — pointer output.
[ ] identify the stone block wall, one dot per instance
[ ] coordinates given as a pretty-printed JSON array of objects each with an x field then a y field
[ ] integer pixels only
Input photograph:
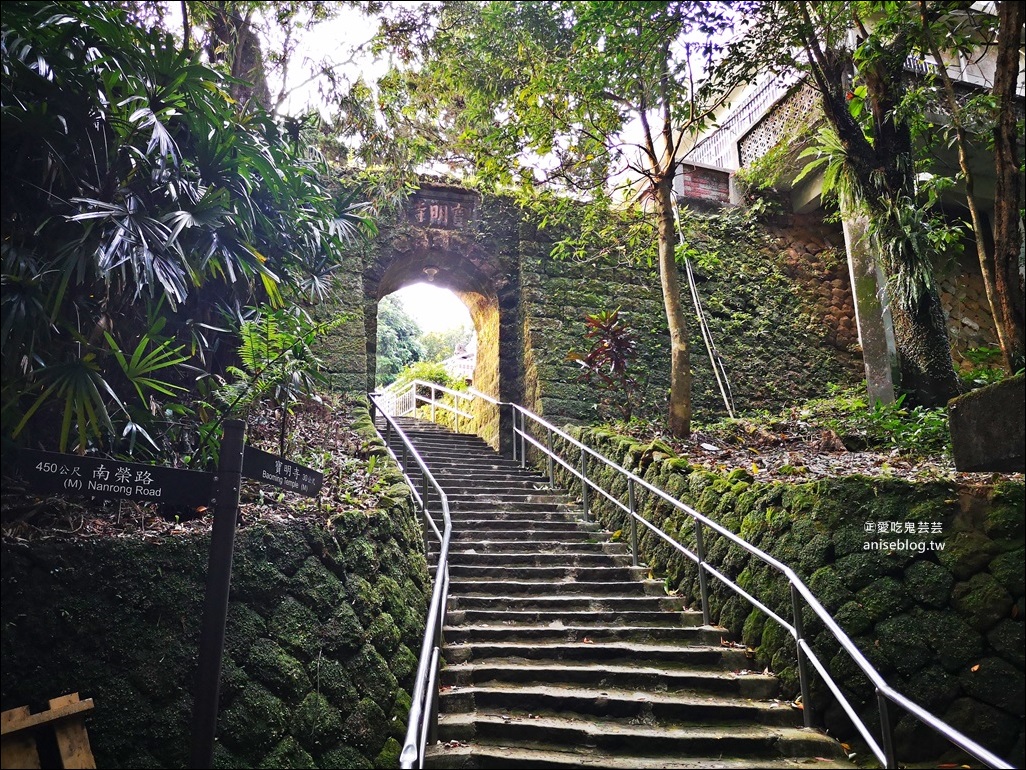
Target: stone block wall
[
  {"x": 324, "y": 628},
  {"x": 779, "y": 345},
  {"x": 962, "y": 293},
  {"x": 941, "y": 616}
]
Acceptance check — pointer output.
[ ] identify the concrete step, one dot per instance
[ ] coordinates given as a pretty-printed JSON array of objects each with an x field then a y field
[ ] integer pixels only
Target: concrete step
[
  {"x": 549, "y": 574},
  {"x": 627, "y": 705},
  {"x": 557, "y": 632},
  {"x": 669, "y": 657},
  {"x": 565, "y": 560},
  {"x": 735, "y": 740},
  {"x": 500, "y": 756},
  {"x": 607, "y": 677},
  {"x": 497, "y": 528},
  {"x": 566, "y": 603},
  {"x": 473, "y": 585},
  {"x": 577, "y": 618},
  {"x": 619, "y": 675},
  {"x": 560, "y": 654},
  {"x": 530, "y": 544}
]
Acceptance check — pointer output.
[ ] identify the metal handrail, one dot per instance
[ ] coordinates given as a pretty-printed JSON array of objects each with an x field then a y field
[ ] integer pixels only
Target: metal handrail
[
  {"x": 424, "y": 703},
  {"x": 800, "y": 593},
  {"x": 404, "y": 401}
]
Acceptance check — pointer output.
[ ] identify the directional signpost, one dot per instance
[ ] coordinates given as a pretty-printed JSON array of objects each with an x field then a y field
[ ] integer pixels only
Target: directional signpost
[
  {"x": 262, "y": 466},
  {"x": 118, "y": 480},
  {"x": 114, "y": 479}
]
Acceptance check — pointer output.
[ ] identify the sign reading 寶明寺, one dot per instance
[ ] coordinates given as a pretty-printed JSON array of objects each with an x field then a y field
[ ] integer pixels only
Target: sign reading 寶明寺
[{"x": 272, "y": 469}]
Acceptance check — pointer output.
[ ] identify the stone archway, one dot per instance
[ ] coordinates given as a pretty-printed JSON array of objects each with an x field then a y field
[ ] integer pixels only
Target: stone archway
[{"x": 438, "y": 239}]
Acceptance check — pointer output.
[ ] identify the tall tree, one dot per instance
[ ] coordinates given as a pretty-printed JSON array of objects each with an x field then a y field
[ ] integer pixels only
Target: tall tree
[
  {"x": 955, "y": 33},
  {"x": 1008, "y": 232},
  {"x": 571, "y": 95},
  {"x": 855, "y": 53}
]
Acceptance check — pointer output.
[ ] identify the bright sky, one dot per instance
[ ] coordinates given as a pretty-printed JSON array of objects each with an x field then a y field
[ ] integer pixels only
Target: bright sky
[{"x": 433, "y": 308}]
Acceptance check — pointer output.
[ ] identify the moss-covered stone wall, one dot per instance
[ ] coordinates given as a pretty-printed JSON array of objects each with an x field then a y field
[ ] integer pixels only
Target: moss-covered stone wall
[
  {"x": 778, "y": 307},
  {"x": 325, "y": 622},
  {"x": 942, "y": 620}
]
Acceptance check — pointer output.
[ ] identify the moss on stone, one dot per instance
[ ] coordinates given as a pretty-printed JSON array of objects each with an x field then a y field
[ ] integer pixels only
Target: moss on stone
[
  {"x": 953, "y": 641},
  {"x": 966, "y": 553},
  {"x": 997, "y": 682},
  {"x": 366, "y": 728},
  {"x": 982, "y": 600},
  {"x": 853, "y": 618},
  {"x": 333, "y": 679},
  {"x": 903, "y": 643},
  {"x": 347, "y": 757},
  {"x": 371, "y": 675},
  {"x": 295, "y": 627},
  {"x": 388, "y": 757},
  {"x": 342, "y": 634},
  {"x": 384, "y": 635},
  {"x": 319, "y": 589},
  {"x": 928, "y": 583},
  {"x": 253, "y": 722},
  {"x": 829, "y": 589},
  {"x": 277, "y": 670},
  {"x": 243, "y": 626},
  {"x": 316, "y": 723},
  {"x": 287, "y": 754},
  {"x": 1008, "y": 639},
  {"x": 1007, "y": 569}
]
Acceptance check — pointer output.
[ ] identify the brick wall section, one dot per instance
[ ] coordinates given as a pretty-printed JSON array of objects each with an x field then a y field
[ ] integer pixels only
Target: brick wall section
[{"x": 703, "y": 185}]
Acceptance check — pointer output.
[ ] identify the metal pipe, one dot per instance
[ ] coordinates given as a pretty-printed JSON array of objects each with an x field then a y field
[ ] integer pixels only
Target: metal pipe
[
  {"x": 703, "y": 583},
  {"x": 632, "y": 515},
  {"x": 886, "y": 729},
  {"x": 552, "y": 469},
  {"x": 584, "y": 483},
  {"x": 803, "y": 663}
]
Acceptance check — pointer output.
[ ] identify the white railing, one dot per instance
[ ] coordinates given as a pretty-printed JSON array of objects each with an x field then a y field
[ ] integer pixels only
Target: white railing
[{"x": 530, "y": 430}]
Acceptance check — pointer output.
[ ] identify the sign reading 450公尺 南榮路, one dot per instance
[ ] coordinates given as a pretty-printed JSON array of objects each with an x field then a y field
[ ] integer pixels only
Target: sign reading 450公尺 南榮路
[{"x": 113, "y": 479}]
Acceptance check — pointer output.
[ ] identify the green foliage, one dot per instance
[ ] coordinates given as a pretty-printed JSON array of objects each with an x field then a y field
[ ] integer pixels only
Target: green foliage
[
  {"x": 428, "y": 371},
  {"x": 896, "y": 427},
  {"x": 986, "y": 367},
  {"x": 437, "y": 346},
  {"x": 611, "y": 361},
  {"x": 398, "y": 340},
  {"x": 277, "y": 363},
  {"x": 135, "y": 189}
]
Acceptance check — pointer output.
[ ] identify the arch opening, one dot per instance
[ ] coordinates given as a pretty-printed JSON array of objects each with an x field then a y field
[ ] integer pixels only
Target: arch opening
[{"x": 424, "y": 323}]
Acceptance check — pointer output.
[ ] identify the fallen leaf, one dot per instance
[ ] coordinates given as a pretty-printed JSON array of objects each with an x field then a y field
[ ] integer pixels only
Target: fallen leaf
[{"x": 975, "y": 668}]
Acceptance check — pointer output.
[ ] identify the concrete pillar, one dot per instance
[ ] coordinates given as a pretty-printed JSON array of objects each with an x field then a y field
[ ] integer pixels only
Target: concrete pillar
[{"x": 876, "y": 333}]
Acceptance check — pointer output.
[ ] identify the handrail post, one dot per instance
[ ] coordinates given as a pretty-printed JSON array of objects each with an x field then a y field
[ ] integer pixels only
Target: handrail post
[
  {"x": 523, "y": 442},
  {"x": 703, "y": 583},
  {"x": 632, "y": 505},
  {"x": 432, "y": 403},
  {"x": 584, "y": 483},
  {"x": 803, "y": 663},
  {"x": 552, "y": 470},
  {"x": 513, "y": 435},
  {"x": 886, "y": 728}
]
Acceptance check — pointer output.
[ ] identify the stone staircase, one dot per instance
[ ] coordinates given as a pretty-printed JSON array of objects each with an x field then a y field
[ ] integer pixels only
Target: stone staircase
[{"x": 559, "y": 653}]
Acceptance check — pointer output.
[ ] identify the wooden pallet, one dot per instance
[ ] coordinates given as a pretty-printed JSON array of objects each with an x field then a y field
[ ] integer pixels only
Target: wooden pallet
[{"x": 67, "y": 717}]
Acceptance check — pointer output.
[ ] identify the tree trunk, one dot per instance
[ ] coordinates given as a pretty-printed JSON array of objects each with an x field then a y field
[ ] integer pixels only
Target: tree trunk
[
  {"x": 1005, "y": 336},
  {"x": 669, "y": 277},
  {"x": 1008, "y": 278},
  {"x": 885, "y": 173},
  {"x": 924, "y": 351}
]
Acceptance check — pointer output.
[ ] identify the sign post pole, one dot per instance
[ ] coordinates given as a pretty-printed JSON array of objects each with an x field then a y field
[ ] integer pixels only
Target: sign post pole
[{"x": 215, "y": 608}]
